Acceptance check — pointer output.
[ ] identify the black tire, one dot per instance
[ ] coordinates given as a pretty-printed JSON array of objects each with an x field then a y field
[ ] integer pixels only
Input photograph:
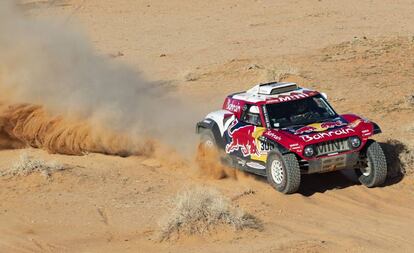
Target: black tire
[
  {"x": 290, "y": 181},
  {"x": 375, "y": 173}
]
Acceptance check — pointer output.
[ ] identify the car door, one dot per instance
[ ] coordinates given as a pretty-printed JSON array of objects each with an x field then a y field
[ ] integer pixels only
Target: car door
[{"x": 243, "y": 134}]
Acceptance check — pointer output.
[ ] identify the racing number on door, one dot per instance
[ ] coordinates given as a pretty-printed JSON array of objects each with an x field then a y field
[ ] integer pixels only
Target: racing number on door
[{"x": 266, "y": 146}]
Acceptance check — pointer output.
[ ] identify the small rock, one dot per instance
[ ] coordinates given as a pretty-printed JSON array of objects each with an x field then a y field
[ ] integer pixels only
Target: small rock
[{"x": 163, "y": 55}]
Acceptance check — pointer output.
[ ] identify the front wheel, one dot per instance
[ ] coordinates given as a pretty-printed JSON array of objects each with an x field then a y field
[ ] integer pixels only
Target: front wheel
[
  {"x": 283, "y": 172},
  {"x": 374, "y": 169}
]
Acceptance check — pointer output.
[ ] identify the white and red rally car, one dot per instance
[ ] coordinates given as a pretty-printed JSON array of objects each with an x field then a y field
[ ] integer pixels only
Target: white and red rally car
[{"x": 280, "y": 131}]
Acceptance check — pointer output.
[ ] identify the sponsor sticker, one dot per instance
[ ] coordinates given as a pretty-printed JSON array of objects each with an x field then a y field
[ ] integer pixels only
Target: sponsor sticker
[
  {"x": 266, "y": 116},
  {"x": 242, "y": 139},
  {"x": 331, "y": 133},
  {"x": 292, "y": 96},
  {"x": 273, "y": 135},
  {"x": 294, "y": 146},
  {"x": 233, "y": 105},
  {"x": 319, "y": 127}
]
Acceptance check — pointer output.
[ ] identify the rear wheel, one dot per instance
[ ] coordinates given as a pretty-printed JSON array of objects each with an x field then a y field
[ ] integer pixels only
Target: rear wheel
[
  {"x": 374, "y": 169},
  {"x": 209, "y": 156},
  {"x": 283, "y": 172},
  {"x": 207, "y": 139}
]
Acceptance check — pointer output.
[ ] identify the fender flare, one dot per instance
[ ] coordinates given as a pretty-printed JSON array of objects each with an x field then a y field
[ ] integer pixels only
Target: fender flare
[{"x": 281, "y": 149}]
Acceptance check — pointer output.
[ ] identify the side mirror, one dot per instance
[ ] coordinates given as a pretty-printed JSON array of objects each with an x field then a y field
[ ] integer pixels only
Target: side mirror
[{"x": 324, "y": 95}]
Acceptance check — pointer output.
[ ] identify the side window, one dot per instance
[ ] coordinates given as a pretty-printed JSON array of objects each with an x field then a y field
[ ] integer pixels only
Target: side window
[{"x": 251, "y": 115}]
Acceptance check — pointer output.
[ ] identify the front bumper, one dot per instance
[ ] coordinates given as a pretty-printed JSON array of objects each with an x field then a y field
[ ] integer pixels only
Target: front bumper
[{"x": 338, "y": 162}]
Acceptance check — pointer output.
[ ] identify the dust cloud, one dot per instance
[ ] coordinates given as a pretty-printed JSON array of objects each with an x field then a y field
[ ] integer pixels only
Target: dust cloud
[{"x": 60, "y": 95}]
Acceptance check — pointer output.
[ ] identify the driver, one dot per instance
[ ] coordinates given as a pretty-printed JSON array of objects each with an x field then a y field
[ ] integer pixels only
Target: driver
[
  {"x": 302, "y": 111},
  {"x": 253, "y": 116}
]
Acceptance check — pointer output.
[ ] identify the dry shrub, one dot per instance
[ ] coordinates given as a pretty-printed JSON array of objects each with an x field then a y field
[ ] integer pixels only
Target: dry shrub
[
  {"x": 199, "y": 210},
  {"x": 27, "y": 165},
  {"x": 279, "y": 73}
]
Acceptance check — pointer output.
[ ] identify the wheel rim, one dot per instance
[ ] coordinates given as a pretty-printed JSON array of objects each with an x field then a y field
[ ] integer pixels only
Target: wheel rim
[
  {"x": 277, "y": 171},
  {"x": 367, "y": 170}
]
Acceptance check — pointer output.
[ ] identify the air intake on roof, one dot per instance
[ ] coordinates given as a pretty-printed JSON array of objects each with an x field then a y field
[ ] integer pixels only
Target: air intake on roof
[{"x": 274, "y": 88}]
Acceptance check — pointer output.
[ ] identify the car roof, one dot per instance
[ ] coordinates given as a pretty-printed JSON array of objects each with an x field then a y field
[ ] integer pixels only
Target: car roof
[{"x": 274, "y": 92}]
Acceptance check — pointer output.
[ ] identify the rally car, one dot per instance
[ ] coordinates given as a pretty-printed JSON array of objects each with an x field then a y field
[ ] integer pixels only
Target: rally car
[{"x": 280, "y": 130}]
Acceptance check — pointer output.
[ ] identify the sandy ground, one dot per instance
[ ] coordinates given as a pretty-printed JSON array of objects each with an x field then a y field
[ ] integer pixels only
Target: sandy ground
[{"x": 360, "y": 53}]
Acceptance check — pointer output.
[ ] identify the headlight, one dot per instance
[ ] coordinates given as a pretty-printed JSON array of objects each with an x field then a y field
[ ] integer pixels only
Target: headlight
[
  {"x": 355, "y": 142},
  {"x": 308, "y": 151}
]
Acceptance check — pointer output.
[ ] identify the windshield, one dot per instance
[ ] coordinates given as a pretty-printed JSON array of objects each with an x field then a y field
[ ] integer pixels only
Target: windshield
[{"x": 299, "y": 112}]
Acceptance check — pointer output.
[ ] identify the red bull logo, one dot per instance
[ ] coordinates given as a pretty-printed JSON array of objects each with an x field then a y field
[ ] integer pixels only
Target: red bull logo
[
  {"x": 242, "y": 138},
  {"x": 327, "y": 125},
  {"x": 319, "y": 127},
  {"x": 305, "y": 129}
]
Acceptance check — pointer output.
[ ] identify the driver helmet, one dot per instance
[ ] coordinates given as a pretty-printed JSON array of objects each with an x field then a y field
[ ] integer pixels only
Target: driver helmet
[{"x": 253, "y": 115}]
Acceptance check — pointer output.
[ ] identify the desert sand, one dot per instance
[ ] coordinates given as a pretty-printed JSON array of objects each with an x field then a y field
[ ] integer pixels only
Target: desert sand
[{"x": 359, "y": 53}]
